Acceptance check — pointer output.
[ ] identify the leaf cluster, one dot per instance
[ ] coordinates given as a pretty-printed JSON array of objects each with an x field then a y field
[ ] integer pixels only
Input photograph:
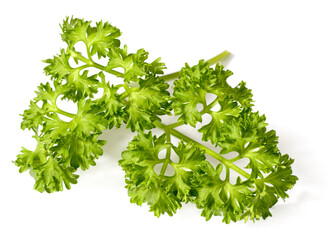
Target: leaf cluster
[
  {"x": 158, "y": 172},
  {"x": 63, "y": 146},
  {"x": 234, "y": 128}
]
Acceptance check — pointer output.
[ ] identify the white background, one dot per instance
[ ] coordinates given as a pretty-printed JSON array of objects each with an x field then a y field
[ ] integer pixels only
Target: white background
[{"x": 280, "y": 48}]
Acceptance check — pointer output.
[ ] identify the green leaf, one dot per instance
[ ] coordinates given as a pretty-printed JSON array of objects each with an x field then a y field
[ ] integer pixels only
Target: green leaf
[
  {"x": 189, "y": 165},
  {"x": 134, "y": 65},
  {"x": 36, "y": 115},
  {"x": 88, "y": 119},
  {"x": 214, "y": 129},
  {"x": 192, "y": 86},
  {"x": 270, "y": 188},
  {"x": 49, "y": 173},
  {"x": 33, "y": 117},
  {"x": 97, "y": 39},
  {"x": 78, "y": 85},
  {"x": 111, "y": 103},
  {"x": 142, "y": 154},
  {"x": 156, "y": 66},
  {"x": 240, "y": 93},
  {"x": 235, "y": 198},
  {"x": 50, "y": 176},
  {"x": 146, "y": 102},
  {"x": 143, "y": 183},
  {"x": 78, "y": 152},
  {"x": 190, "y": 89},
  {"x": 74, "y": 30},
  {"x": 73, "y": 143},
  {"x": 221, "y": 198},
  {"x": 59, "y": 66},
  {"x": 208, "y": 192},
  {"x": 102, "y": 38},
  {"x": 247, "y": 135},
  {"x": 281, "y": 179},
  {"x": 260, "y": 205},
  {"x": 162, "y": 193}
]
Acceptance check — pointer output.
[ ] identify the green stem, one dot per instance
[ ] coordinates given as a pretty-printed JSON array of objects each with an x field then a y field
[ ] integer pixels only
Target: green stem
[
  {"x": 103, "y": 68},
  {"x": 219, "y": 58},
  {"x": 210, "y": 106},
  {"x": 127, "y": 89},
  {"x": 167, "y": 158},
  {"x": 64, "y": 113},
  {"x": 227, "y": 178},
  {"x": 91, "y": 63},
  {"x": 202, "y": 147},
  {"x": 124, "y": 95},
  {"x": 235, "y": 158},
  {"x": 176, "y": 124},
  {"x": 78, "y": 56},
  {"x": 88, "y": 53},
  {"x": 171, "y": 76}
]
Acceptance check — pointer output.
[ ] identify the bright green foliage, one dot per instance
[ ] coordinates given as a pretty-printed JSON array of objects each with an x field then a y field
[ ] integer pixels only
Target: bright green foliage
[
  {"x": 63, "y": 146},
  {"x": 220, "y": 197},
  {"x": 134, "y": 65},
  {"x": 270, "y": 188},
  {"x": 195, "y": 180},
  {"x": 77, "y": 85},
  {"x": 235, "y": 128},
  {"x": 97, "y": 39},
  {"x": 193, "y": 85},
  {"x": 111, "y": 102},
  {"x": 158, "y": 172},
  {"x": 66, "y": 145},
  {"x": 215, "y": 127},
  {"x": 146, "y": 102},
  {"x": 247, "y": 135},
  {"x": 48, "y": 171},
  {"x": 145, "y": 185}
]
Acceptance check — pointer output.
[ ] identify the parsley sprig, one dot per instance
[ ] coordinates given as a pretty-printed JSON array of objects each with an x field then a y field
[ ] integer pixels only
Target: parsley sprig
[{"x": 65, "y": 146}]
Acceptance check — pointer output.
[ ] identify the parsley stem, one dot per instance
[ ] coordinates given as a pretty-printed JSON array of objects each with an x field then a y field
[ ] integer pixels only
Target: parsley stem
[
  {"x": 170, "y": 76},
  {"x": 64, "y": 113},
  {"x": 227, "y": 177},
  {"x": 176, "y": 124},
  {"x": 202, "y": 147},
  {"x": 167, "y": 158},
  {"x": 219, "y": 58},
  {"x": 235, "y": 158},
  {"x": 88, "y": 53},
  {"x": 79, "y": 56},
  {"x": 210, "y": 106},
  {"x": 127, "y": 89},
  {"x": 91, "y": 63},
  {"x": 103, "y": 68}
]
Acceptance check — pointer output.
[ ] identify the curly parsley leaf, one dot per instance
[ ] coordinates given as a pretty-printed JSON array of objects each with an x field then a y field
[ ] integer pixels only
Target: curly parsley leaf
[
  {"x": 68, "y": 141},
  {"x": 234, "y": 128},
  {"x": 195, "y": 82},
  {"x": 98, "y": 40},
  {"x": 163, "y": 193},
  {"x": 146, "y": 102},
  {"x": 74, "y": 142},
  {"x": 48, "y": 171}
]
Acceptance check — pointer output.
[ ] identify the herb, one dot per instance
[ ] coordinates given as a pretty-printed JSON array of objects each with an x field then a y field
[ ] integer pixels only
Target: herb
[{"x": 65, "y": 146}]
